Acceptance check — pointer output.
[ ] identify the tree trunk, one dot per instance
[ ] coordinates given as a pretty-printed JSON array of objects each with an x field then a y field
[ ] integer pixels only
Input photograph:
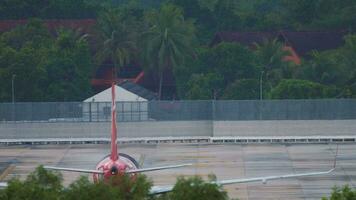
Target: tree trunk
[{"x": 160, "y": 85}]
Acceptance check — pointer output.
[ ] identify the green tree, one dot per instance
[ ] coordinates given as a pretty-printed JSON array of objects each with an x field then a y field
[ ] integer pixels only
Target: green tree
[
  {"x": 270, "y": 54},
  {"x": 121, "y": 188},
  {"x": 342, "y": 193},
  {"x": 118, "y": 32},
  {"x": 225, "y": 62},
  {"x": 41, "y": 184},
  {"x": 301, "y": 89},
  {"x": 47, "y": 68},
  {"x": 232, "y": 61},
  {"x": 50, "y": 9},
  {"x": 23, "y": 52},
  {"x": 68, "y": 67},
  {"x": 243, "y": 89},
  {"x": 302, "y": 11},
  {"x": 334, "y": 68},
  {"x": 195, "y": 188},
  {"x": 348, "y": 52},
  {"x": 203, "y": 86},
  {"x": 168, "y": 40},
  {"x": 326, "y": 68}
]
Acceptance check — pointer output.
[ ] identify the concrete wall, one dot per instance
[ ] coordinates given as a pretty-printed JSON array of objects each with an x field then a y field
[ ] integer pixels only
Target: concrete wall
[
  {"x": 180, "y": 128},
  {"x": 285, "y": 128},
  {"x": 102, "y": 129}
]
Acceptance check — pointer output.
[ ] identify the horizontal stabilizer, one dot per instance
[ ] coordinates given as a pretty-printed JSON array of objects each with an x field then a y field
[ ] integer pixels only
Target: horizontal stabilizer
[
  {"x": 74, "y": 170},
  {"x": 157, "y": 168}
]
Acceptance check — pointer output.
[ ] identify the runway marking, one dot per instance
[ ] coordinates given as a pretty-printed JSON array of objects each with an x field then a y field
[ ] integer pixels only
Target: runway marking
[{"x": 7, "y": 171}]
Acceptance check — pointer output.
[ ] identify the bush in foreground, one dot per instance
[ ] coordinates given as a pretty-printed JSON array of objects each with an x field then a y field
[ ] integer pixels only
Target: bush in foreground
[
  {"x": 47, "y": 185},
  {"x": 342, "y": 193}
]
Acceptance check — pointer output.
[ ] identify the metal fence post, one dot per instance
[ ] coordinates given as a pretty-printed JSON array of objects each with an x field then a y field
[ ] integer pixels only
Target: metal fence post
[
  {"x": 213, "y": 109},
  {"x": 90, "y": 112}
]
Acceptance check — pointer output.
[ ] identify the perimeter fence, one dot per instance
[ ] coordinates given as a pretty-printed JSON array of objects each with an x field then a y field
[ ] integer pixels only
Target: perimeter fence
[{"x": 325, "y": 109}]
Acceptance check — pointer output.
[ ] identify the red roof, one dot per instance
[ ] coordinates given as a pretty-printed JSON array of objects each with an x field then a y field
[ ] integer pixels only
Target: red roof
[
  {"x": 302, "y": 41},
  {"x": 86, "y": 25}
]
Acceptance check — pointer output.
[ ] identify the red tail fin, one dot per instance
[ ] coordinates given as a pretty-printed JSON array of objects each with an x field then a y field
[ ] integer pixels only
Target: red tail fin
[{"x": 113, "y": 155}]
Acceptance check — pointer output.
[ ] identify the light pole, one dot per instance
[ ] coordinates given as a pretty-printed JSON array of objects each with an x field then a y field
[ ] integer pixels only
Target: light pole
[
  {"x": 261, "y": 95},
  {"x": 261, "y": 88},
  {"x": 12, "y": 87}
]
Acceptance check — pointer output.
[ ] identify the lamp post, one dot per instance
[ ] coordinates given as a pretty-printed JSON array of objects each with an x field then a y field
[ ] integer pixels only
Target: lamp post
[
  {"x": 261, "y": 88},
  {"x": 13, "y": 89},
  {"x": 261, "y": 95},
  {"x": 13, "y": 97}
]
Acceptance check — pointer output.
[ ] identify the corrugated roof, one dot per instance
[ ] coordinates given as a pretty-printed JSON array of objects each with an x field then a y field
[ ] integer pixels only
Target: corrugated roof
[{"x": 139, "y": 90}]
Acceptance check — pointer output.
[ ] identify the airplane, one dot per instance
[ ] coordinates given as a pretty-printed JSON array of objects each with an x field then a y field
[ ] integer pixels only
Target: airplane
[{"x": 116, "y": 164}]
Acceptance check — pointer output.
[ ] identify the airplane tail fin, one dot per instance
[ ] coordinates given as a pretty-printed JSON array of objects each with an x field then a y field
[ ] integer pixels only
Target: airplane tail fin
[{"x": 113, "y": 155}]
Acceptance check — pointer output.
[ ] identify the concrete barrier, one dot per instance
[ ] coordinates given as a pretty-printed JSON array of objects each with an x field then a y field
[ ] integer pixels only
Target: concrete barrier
[
  {"x": 284, "y": 128},
  {"x": 180, "y": 129},
  {"x": 102, "y": 129}
]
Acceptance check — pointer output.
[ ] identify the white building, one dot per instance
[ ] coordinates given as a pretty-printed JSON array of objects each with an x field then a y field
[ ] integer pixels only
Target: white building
[{"x": 132, "y": 104}]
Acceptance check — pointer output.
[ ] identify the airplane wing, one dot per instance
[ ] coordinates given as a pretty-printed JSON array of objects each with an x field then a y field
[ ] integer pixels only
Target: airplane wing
[
  {"x": 74, "y": 170},
  {"x": 157, "y": 168},
  {"x": 267, "y": 178},
  {"x": 161, "y": 189},
  {"x": 168, "y": 188}
]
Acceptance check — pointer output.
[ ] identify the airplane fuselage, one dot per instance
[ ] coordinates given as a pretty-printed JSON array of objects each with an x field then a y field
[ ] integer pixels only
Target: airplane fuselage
[{"x": 111, "y": 167}]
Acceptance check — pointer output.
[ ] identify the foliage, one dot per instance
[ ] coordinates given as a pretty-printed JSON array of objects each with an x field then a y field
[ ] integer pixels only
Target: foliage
[
  {"x": 223, "y": 64},
  {"x": 301, "y": 89},
  {"x": 53, "y": 9},
  {"x": 324, "y": 68},
  {"x": 43, "y": 184},
  {"x": 119, "y": 37},
  {"x": 162, "y": 35},
  {"x": 270, "y": 54},
  {"x": 203, "y": 86},
  {"x": 210, "y": 15},
  {"x": 243, "y": 89},
  {"x": 342, "y": 193},
  {"x": 21, "y": 54},
  {"x": 335, "y": 68},
  {"x": 321, "y": 14},
  {"x": 121, "y": 187},
  {"x": 45, "y": 67},
  {"x": 168, "y": 40},
  {"x": 40, "y": 184},
  {"x": 68, "y": 67},
  {"x": 196, "y": 188}
]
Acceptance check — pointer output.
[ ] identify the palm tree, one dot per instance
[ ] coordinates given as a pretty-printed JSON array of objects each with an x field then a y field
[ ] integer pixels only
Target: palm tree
[
  {"x": 271, "y": 57},
  {"x": 168, "y": 40},
  {"x": 68, "y": 38},
  {"x": 271, "y": 53},
  {"x": 118, "y": 32}
]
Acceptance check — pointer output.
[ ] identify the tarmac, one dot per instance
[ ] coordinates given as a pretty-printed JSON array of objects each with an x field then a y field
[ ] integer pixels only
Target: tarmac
[{"x": 225, "y": 161}]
